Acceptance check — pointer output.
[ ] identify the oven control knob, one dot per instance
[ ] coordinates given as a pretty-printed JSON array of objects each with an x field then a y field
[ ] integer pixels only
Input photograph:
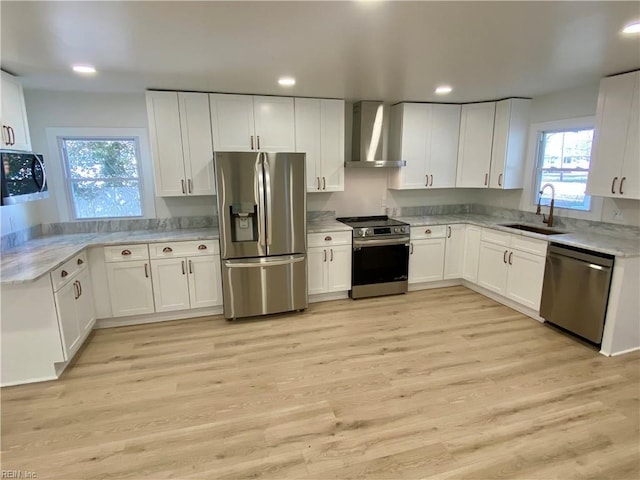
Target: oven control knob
[
  {"x": 363, "y": 232},
  {"x": 396, "y": 230}
]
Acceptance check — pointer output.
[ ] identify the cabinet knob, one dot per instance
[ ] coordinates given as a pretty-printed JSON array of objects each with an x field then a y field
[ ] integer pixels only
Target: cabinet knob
[
  {"x": 327, "y": 238},
  {"x": 80, "y": 262},
  {"x": 64, "y": 273},
  {"x": 202, "y": 247},
  {"x": 126, "y": 252},
  {"x": 167, "y": 249}
]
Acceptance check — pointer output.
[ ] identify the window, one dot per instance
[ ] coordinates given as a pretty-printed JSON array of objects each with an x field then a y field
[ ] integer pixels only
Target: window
[
  {"x": 102, "y": 176},
  {"x": 564, "y": 157}
]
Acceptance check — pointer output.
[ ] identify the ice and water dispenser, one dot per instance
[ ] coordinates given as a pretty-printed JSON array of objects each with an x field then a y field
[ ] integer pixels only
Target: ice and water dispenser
[{"x": 244, "y": 221}]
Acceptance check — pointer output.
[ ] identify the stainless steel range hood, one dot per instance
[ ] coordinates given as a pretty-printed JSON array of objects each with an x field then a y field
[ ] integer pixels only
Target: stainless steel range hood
[{"x": 367, "y": 147}]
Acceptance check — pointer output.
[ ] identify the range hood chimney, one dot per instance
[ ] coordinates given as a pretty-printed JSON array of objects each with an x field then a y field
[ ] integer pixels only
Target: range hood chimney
[{"x": 367, "y": 146}]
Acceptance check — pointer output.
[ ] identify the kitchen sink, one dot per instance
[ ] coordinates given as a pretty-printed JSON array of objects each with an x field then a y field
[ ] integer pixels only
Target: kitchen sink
[{"x": 532, "y": 228}]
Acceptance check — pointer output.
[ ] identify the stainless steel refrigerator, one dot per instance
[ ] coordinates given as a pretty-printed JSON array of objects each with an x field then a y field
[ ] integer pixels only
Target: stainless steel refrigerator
[{"x": 263, "y": 232}]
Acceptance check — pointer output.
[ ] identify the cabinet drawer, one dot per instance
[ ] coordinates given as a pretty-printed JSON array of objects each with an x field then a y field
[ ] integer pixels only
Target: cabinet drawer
[
  {"x": 68, "y": 270},
  {"x": 428, "y": 231},
  {"x": 183, "y": 249},
  {"x": 126, "y": 253},
  {"x": 495, "y": 236},
  {"x": 329, "y": 238},
  {"x": 530, "y": 245}
]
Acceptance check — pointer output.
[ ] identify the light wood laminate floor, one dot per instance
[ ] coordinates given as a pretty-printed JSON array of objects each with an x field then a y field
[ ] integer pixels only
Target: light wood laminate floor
[{"x": 442, "y": 383}]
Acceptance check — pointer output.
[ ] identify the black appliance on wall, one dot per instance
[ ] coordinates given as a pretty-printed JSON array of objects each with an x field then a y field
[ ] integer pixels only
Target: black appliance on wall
[{"x": 22, "y": 177}]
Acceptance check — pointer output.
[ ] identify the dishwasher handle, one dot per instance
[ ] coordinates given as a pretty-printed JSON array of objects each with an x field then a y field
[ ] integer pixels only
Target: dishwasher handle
[{"x": 593, "y": 258}]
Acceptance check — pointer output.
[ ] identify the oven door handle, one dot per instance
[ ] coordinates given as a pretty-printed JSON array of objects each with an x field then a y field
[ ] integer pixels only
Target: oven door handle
[{"x": 376, "y": 243}]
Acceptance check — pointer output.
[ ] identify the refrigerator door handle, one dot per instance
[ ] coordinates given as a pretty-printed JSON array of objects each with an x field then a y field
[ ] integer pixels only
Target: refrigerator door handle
[
  {"x": 265, "y": 261},
  {"x": 259, "y": 196},
  {"x": 267, "y": 186}
]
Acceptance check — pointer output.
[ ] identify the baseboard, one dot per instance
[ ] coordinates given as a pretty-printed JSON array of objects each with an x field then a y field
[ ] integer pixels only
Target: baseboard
[
  {"x": 157, "y": 317},
  {"x": 31, "y": 380},
  {"x": 503, "y": 300},
  {"x": 621, "y": 352},
  {"x": 438, "y": 284},
  {"x": 325, "y": 297}
]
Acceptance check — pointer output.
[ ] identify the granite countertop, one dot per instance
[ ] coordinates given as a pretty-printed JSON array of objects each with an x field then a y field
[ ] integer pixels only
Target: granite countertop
[
  {"x": 39, "y": 256},
  {"x": 618, "y": 246},
  {"x": 326, "y": 225}
]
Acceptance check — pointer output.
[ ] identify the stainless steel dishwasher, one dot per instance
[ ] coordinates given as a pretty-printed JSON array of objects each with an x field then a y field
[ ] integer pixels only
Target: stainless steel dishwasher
[{"x": 575, "y": 291}]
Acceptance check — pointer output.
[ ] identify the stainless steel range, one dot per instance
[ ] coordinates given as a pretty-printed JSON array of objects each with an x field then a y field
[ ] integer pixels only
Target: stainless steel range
[{"x": 380, "y": 256}]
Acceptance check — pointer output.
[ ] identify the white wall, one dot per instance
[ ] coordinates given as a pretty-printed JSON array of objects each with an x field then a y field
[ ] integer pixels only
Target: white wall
[
  {"x": 18, "y": 217},
  {"x": 46, "y": 109}
]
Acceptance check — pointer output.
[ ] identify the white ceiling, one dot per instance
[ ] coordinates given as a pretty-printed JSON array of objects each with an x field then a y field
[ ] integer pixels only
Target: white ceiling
[{"x": 388, "y": 51}]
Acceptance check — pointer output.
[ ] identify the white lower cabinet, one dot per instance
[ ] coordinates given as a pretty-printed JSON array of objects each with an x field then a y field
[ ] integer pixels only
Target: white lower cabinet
[
  {"x": 426, "y": 260},
  {"x": 130, "y": 288},
  {"x": 329, "y": 262},
  {"x": 454, "y": 251},
  {"x": 512, "y": 266},
  {"x": 471, "y": 253}
]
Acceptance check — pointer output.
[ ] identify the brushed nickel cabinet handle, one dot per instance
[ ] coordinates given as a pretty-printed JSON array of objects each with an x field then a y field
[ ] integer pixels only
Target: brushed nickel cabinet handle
[
  {"x": 202, "y": 247},
  {"x": 125, "y": 252},
  {"x": 146, "y": 270},
  {"x": 486, "y": 178},
  {"x": 258, "y": 141},
  {"x": 64, "y": 273},
  {"x": 79, "y": 262},
  {"x": 324, "y": 183},
  {"x": 327, "y": 238},
  {"x": 183, "y": 269},
  {"x": 431, "y": 183},
  {"x": 504, "y": 256},
  {"x": 190, "y": 185},
  {"x": 190, "y": 266},
  {"x": 613, "y": 184},
  {"x": 500, "y": 180},
  {"x": 510, "y": 256},
  {"x": 182, "y": 183},
  {"x": 251, "y": 142},
  {"x": 331, "y": 250},
  {"x": 621, "y": 184},
  {"x": 325, "y": 255},
  {"x": 167, "y": 250}
]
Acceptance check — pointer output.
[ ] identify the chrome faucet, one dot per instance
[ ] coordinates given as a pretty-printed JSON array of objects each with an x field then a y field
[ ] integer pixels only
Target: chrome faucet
[{"x": 548, "y": 221}]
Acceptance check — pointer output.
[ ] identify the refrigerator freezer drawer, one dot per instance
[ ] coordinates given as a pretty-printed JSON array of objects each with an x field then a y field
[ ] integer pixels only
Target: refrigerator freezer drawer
[{"x": 259, "y": 286}]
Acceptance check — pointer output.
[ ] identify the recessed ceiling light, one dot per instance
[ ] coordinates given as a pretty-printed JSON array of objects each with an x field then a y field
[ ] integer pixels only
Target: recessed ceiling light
[
  {"x": 287, "y": 81},
  {"x": 443, "y": 89},
  {"x": 633, "y": 27},
  {"x": 86, "y": 69}
]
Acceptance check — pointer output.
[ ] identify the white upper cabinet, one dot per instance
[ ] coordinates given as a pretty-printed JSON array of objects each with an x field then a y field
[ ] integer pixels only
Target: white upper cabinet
[
  {"x": 242, "y": 123},
  {"x": 319, "y": 132},
  {"x": 180, "y": 133},
  {"x": 615, "y": 164},
  {"x": 426, "y": 137},
  {"x": 15, "y": 129},
  {"x": 510, "y": 133},
  {"x": 474, "y": 147}
]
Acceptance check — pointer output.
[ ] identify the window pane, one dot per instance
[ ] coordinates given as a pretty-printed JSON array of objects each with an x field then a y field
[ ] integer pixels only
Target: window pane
[
  {"x": 100, "y": 199},
  {"x": 101, "y": 158},
  {"x": 563, "y": 153}
]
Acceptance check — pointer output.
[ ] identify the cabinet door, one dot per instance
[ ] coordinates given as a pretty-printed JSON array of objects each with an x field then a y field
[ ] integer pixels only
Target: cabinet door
[
  {"x": 426, "y": 260},
  {"x": 610, "y": 135},
  {"x": 274, "y": 124},
  {"x": 511, "y": 128},
  {"x": 205, "y": 284},
  {"x": 84, "y": 305},
  {"x": 166, "y": 143},
  {"x": 415, "y": 138},
  {"x": 526, "y": 273},
  {"x": 454, "y": 251},
  {"x": 130, "y": 288},
  {"x": 443, "y": 149},
  {"x": 14, "y": 114},
  {"x": 474, "y": 148},
  {"x": 339, "y": 268},
  {"x": 197, "y": 145},
  {"x": 492, "y": 267},
  {"x": 332, "y": 145},
  {"x": 232, "y": 123},
  {"x": 307, "y": 113},
  {"x": 630, "y": 175},
  {"x": 317, "y": 276},
  {"x": 170, "y": 284},
  {"x": 471, "y": 253},
  {"x": 66, "y": 309}
]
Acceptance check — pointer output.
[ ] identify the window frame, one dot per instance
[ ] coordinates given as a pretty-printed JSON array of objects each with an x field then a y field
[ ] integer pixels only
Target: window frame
[
  {"x": 57, "y": 169},
  {"x": 538, "y": 169}
]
